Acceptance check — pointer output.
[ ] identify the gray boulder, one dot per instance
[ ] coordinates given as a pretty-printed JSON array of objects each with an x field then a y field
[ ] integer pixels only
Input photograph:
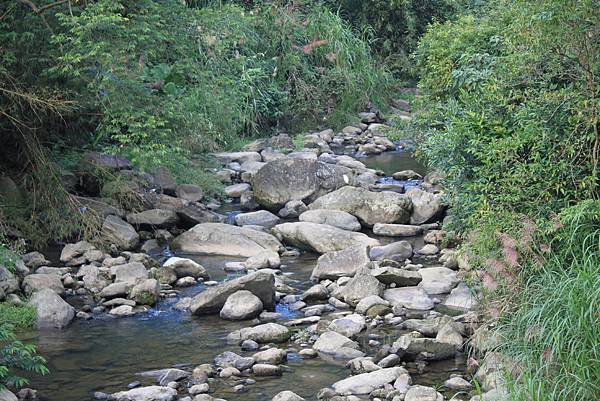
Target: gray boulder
[
  {"x": 283, "y": 180},
  {"x": 146, "y": 292},
  {"x": 321, "y": 238},
  {"x": 129, "y": 273},
  {"x": 402, "y": 278},
  {"x": 438, "y": 280},
  {"x": 241, "y": 305},
  {"x": 344, "y": 263},
  {"x": 225, "y": 239},
  {"x": 365, "y": 383},
  {"x": 120, "y": 233},
  {"x": 336, "y": 218},
  {"x": 183, "y": 267},
  {"x": 189, "y": 192},
  {"x": 396, "y": 230},
  {"x": 287, "y": 396},
  {"x": 423, "y": 393},
  {"x": 212, "y": 300},
  {"x": 51, "y": 310},
  {"x": 337, "y": 345},
  {"x": 426, "y": 206},
  {"x": 36, "y": 282},
  {"x": 409, "y": 298},
  {"x": 362, "y": 285},
  {"x": 370, "y": 207}
]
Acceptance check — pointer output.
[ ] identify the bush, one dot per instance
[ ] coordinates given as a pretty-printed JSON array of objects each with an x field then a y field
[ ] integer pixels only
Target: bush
[{"x": 15, "y": 357}]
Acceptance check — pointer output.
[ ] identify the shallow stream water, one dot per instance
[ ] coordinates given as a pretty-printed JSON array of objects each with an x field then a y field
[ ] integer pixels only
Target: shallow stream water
[{"x": 105, "y": 354}]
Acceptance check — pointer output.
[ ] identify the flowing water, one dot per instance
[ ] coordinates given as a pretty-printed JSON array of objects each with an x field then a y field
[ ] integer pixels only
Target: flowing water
[{"x": 104, "y": 354}]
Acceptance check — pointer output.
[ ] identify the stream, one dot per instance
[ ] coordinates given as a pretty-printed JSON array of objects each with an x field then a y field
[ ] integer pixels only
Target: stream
[{"x": 104, "y": 354}]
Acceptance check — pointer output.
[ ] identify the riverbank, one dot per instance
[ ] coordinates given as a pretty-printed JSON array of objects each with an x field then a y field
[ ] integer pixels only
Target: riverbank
[{"x": 356, "y": 276}]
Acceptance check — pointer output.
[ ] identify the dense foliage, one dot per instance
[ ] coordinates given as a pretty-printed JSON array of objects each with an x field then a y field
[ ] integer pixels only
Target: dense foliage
[
  {"x": 162, "y": 82},
  {"x": 510, "y": 114}
]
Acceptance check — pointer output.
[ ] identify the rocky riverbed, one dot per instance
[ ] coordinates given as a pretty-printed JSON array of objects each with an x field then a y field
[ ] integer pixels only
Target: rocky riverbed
[{"x": 325, "y": 276}]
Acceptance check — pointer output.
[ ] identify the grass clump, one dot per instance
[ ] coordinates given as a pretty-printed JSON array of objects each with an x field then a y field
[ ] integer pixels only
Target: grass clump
[
  {"x": 19, "y": 316},
  {"x": 554, "y": 332}
]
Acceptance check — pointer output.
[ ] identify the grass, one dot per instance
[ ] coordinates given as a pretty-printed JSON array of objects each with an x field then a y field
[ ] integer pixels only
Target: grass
[
  {"x": 299, "y": 141},
  {"x": 554, "y": 333},
  {"x": 18, "y": 316}
]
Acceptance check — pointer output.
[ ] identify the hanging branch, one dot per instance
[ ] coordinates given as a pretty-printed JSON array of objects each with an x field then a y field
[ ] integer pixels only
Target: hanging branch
[{"x": 39, "y": 11}]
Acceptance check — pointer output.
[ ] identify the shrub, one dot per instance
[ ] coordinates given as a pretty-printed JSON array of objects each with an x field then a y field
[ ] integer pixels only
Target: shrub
[{"x": 15, "y": 356}]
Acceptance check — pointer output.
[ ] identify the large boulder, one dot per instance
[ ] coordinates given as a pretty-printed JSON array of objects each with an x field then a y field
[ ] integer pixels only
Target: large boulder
[
  {"x": 264, "y": 333},
  {"x": 240, "y": 157},
  {"x": 336, "y": 218},
  {"x": 120, "y": 233},
  {"x": 145, "y": 292},
  {"x": 365, "y": 383},
  {"x": 241, "y": 305},
  {"x": 150, "y": 393},
  {"x": 211, "y": 301},
  {"x": 283, "y": 180},
  {"x": 423, "y": 393},
  {"x": 287, "y": 396},
  {"x": 51, "y": 310},
  {"x": 427, "y": 207},
  {"x": 396, "y": 230},
  {"x": 344, "y": 263},
  {"x": 36, "y": 282},
  {"x": 321, "y": 238},
  {"x": 225, "y": 239},
  {"x": 370, "y": 207}
]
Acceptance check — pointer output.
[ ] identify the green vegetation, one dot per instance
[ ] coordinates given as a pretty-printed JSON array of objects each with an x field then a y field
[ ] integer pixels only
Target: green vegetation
[
  {"x": 554, "y": 333},
  {"x": 21, "y": 316},
  {"x": 510, "y": 114},
  {"x": 17, "y": 357},
  {"x": 162, "y": 83}
]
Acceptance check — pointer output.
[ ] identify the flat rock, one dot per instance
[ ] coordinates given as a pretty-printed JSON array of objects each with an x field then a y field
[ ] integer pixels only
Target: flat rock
[
  {"x": 409, "y": 297},
  {"x": 150, "y": 393},
  {"x": 402, "y": 278},
  {"x": 225, "y": 239},
  {"x": 398, "y": 251},
  {"x": 264, "y": 333},
  {"x": 336, "y": 218},
  {"x": 262, "y": 218},
  {"x": 396, "y": 230},
  {"x": 321, "y": 238},
  {"x": 365, "y": 383}
]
